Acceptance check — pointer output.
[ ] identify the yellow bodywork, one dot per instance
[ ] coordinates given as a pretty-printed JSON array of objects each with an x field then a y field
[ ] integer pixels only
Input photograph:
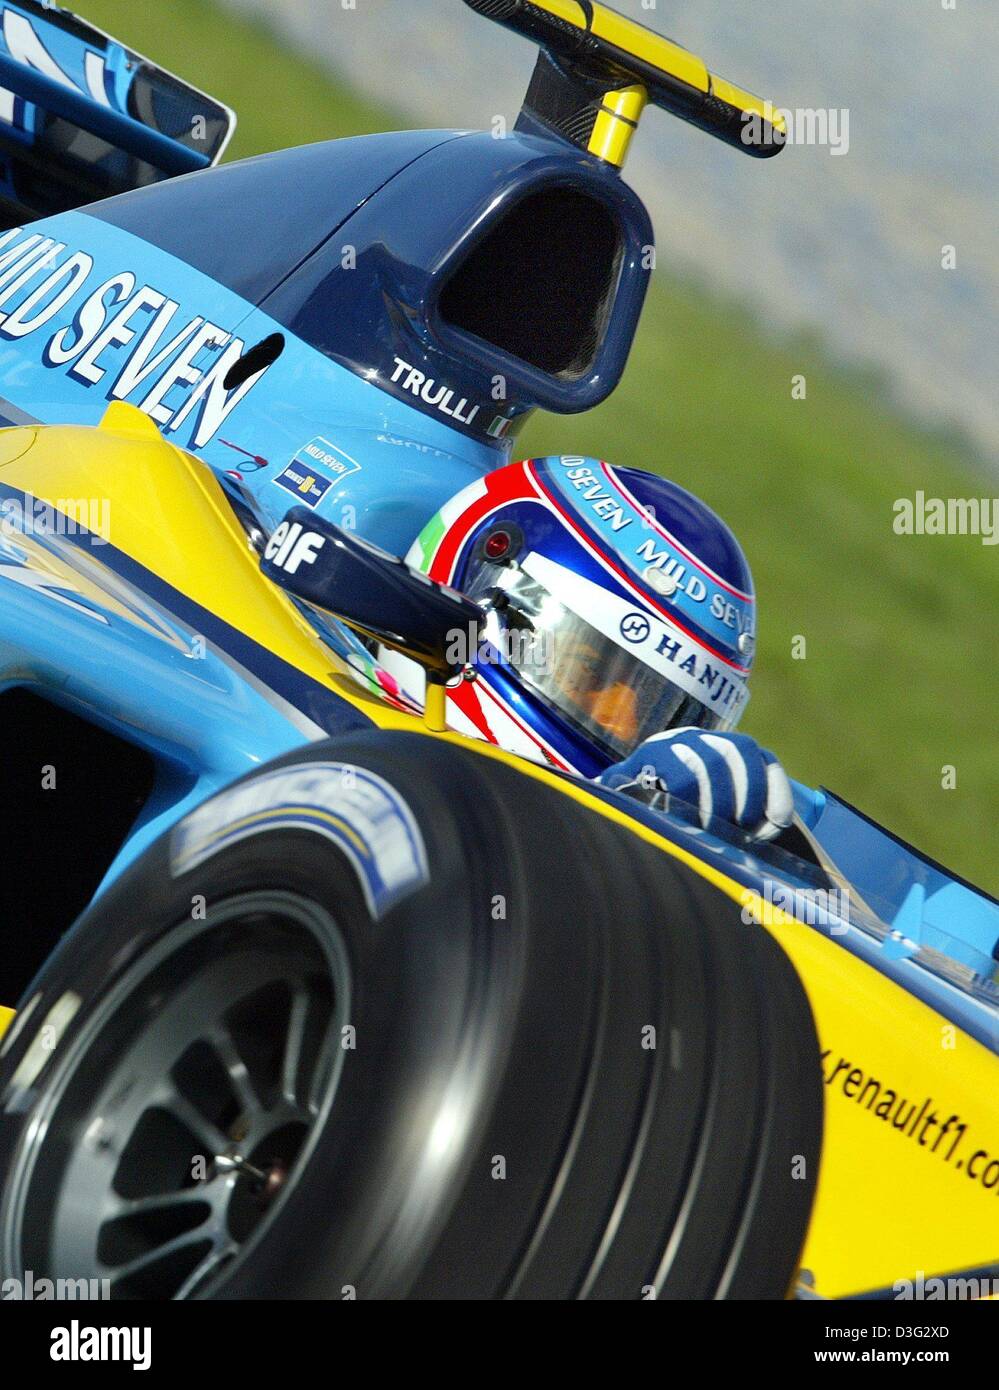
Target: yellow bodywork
[
  {"x": 887, "y": 1207},
  {"x": 616, "y": 123}
]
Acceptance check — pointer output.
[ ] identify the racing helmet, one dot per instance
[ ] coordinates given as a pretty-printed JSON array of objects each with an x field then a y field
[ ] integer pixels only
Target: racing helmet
[{"x": 618, "y": 606}]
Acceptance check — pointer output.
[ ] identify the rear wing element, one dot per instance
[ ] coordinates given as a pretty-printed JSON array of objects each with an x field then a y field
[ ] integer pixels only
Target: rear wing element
[
  {"x": 597, "y": 70},
  {"x": 82, "y": 117}
]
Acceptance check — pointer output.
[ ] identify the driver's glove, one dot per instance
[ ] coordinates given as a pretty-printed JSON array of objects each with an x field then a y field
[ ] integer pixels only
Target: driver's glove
[{"x": 726, "y": 775}]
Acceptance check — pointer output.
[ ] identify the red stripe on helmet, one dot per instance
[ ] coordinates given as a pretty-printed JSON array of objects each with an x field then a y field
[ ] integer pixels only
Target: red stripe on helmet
[
  {"x": 505, "y": 485},
  {"x": 465, "y": 699},
  {"x": 484, "y": 688}
]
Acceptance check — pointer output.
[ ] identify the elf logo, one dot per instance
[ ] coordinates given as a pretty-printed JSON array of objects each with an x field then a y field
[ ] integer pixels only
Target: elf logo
[{"x": 292, "y": 546}]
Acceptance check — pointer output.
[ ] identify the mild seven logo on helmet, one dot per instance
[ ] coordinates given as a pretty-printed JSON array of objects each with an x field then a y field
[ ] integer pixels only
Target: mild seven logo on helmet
[
  {"x": 667, "y": 574},
  {"x": 602, "y": 503},
  {"x": 633, "y": 535}
]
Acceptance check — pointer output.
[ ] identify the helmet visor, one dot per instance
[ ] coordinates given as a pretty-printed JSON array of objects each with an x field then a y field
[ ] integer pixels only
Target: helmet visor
[{"x": 601, "y": 687}]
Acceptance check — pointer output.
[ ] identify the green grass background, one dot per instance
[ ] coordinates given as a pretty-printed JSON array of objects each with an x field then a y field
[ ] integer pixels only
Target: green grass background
[{"x": 900, "y": 677}]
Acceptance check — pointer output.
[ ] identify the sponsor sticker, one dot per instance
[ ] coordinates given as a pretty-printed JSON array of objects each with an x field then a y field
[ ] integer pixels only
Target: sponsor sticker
[
  {"x": 308, "y": 478},
  {"x": 328, "y": 456},
  {"x": 635, "y": 627},
  {"x": 306, "y": 484},
  {"x": 119, "y": 334},
  {"x": 356, "y": 810}
]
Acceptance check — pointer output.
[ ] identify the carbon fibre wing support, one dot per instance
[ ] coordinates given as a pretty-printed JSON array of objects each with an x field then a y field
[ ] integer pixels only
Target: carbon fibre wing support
[{"x": 598, "y": 69}]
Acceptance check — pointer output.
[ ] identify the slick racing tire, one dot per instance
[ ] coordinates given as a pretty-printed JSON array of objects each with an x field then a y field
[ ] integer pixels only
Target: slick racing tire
[{"x": 390, "y": 1018}]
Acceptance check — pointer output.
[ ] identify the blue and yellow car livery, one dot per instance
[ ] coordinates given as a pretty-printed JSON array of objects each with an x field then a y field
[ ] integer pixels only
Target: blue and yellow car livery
[{"x": 181, "y": 364}]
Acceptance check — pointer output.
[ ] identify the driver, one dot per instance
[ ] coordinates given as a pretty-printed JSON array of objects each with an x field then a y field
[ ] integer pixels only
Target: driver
[{"x": 619, "y": 635}]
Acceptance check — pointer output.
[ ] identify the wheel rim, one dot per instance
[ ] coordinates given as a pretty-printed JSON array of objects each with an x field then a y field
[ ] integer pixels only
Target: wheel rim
[{"x": 176, "y": 1126}]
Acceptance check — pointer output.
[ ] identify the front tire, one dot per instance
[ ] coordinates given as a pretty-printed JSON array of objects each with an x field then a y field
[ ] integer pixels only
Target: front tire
[{"x": 550, "y": 1063}]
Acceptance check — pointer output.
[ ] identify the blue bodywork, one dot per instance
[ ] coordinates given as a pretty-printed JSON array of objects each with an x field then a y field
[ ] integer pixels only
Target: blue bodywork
[
  {"x": 97, "y": 117},
  {"x": 374, "y": 412},
  {"x": 355, "y": 240}
]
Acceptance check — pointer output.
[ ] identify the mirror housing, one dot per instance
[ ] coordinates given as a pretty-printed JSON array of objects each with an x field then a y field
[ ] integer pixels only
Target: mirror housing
[{"x": 373, "y": 592}]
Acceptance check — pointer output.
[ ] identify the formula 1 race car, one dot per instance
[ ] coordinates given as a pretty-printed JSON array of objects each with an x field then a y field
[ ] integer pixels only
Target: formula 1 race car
[{"x": 309, "y": 995}]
